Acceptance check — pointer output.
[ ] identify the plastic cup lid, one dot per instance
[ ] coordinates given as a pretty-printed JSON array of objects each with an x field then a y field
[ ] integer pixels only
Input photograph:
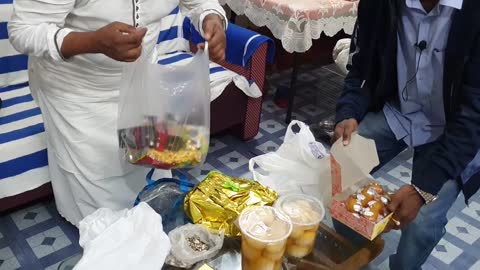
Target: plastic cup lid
[
  {"x": 303, "y": 210},
  {"x": 265, "y": 224}
]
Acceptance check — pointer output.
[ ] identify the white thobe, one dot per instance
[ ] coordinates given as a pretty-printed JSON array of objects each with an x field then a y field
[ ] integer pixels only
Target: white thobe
[{"x": 79, "y": 97}]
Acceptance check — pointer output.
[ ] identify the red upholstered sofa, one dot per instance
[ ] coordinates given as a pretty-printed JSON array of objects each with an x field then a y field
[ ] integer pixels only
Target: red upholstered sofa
[{"x": 235, "y": 111}]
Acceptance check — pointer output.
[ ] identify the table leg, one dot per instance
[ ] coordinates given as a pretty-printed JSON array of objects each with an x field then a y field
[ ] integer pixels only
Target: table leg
[
  {"x": 293, "y": 90},
  {"x": 233, "y": 16}
]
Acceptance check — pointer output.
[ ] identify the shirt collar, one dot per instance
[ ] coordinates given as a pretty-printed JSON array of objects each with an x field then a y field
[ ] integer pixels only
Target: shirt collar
[{"x": 457, "y": 4}]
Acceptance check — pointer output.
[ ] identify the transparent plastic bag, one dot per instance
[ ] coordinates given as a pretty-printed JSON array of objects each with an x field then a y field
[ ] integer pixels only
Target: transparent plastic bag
[
  {"x": 183, "y": 255},
  {"x": 164, "y": 112}
]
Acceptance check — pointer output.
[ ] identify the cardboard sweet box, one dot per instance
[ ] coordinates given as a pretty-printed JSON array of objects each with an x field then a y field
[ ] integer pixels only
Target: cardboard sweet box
[{"x": 350, "y": 169}]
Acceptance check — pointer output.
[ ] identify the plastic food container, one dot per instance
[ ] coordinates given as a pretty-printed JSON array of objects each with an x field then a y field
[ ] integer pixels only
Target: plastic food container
[
  {"x": 265, "y": 231},
  {"x": 306, "y": 213}
]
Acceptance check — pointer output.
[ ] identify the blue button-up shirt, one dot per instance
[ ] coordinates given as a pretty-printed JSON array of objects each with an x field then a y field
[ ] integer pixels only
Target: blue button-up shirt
[{"x": 419, "y": 118}]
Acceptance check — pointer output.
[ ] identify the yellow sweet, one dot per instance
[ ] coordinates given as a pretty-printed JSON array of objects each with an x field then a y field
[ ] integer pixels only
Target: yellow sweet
[
  {"x": 278, "y": 265},
  {"x": 250, "y": 252},
  {"x": 276, "y": 247},
  {"x": 254, "y": 243},
  {"x": 297, "y": 232},
  {"x": 307, "y": 239},
  {"x": 246, "y": 264},
  {"x": 273, "y": 256},
  {"x": 303, "y": 205},
  {"x": 313, "y": 228},
  {"x": 309, "y": 215},
  {"x": 263, "y": 264},
  {"x": 377, "y": 188},
  {"x": 278, "y": 229},
  {"x": 298, "y": 251},
  {"x": 266, "y": 217}
]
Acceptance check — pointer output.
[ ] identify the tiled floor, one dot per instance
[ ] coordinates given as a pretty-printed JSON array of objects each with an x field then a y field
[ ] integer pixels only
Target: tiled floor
[{"x": 37, "y": 238}]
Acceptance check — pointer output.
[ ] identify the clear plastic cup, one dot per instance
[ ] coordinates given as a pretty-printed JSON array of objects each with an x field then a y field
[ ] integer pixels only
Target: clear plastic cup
[
  {"x": 306, "y": 213},
  {"x": 265, "y": 231}
]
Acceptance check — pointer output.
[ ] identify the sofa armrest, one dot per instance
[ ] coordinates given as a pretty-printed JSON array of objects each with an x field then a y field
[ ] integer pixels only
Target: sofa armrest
[
  {"x": 247, "y": 52},
  {"x": 255, "y": 69}
]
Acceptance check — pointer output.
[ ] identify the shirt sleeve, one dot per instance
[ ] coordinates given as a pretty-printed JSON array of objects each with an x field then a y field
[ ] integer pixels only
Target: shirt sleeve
[
  {"x": 355, "y": 97},
  {"x": 36, "y": 27},
  {"x": 197, "y": 10}
]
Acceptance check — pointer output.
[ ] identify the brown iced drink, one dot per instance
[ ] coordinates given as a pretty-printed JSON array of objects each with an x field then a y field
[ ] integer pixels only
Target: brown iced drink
[
  {"x": 264, "y": 237},
  {"x": 306, "y": 213}
]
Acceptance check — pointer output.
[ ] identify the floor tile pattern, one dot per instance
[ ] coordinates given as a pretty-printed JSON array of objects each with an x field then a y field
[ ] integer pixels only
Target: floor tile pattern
[{"x": 37, "y": 238}]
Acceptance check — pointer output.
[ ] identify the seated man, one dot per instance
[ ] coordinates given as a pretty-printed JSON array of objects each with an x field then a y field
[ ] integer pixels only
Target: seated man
[{"x": 413, "y": 82}]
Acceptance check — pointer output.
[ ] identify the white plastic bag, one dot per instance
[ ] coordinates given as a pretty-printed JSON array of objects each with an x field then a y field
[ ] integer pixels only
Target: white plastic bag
[
  {"x": 183, "y": 255},
  {"x": 300, "y": 165},
  {"x": 123, "y": 240},
  {"x": 341, "y": 53},
  {"x": 164, "y": 112}
]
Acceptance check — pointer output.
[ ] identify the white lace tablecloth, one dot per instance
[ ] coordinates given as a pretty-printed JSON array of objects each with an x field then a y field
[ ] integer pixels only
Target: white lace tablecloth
[{"x": 298, "y": 22}]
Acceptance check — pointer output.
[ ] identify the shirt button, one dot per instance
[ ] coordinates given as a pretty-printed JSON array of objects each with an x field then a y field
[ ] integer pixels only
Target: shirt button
[
  {"x": 138, "y": 17},
  {"x": 137, "y": 8},
  {"x": 136, "y": 25}
]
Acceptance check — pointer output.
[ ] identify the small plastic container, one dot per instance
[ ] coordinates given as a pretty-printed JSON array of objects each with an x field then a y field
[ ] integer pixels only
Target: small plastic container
[
  {"x": 306, "y": 213},
  {"x": 265, "y": 231}
]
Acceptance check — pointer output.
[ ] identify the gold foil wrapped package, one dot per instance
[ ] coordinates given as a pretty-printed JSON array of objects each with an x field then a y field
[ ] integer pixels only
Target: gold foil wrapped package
[{"x": 218, "y": 200}]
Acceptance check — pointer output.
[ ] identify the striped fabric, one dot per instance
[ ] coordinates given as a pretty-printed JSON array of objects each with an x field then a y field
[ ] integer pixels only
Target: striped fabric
[
  {"x": 13, "y": 66},
  {"x": 173, "y": 48},
  {"x": 23, "y": 154},
  {"x": 171, "y": 38}
]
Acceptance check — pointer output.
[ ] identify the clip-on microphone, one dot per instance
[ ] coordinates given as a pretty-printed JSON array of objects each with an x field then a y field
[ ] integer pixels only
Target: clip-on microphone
[{"x": 422, "y": 45}]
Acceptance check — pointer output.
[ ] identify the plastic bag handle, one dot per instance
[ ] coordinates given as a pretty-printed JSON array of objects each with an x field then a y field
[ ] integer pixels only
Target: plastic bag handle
[
  {"x": 290, "y": 134},
  {"x": 182, "y": 182},
  {"x": 206, "y": 46},
  {"x": 251, "y": 167}
]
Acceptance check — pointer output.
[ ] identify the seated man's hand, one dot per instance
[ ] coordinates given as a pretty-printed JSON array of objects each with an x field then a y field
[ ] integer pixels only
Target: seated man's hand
[
  {"x": 344, "y": 130},
  {"x": 405, "y": 205},
  {"x": 214, "y": 29}
]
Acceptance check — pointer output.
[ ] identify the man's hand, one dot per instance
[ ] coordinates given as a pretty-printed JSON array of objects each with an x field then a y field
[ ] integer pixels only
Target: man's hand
[
  {"x": 213, "y": 27},
  {"x": 120, "y": 41},
  {"x": 405, "y": 205},
  {"x": 344, "y": 130}
]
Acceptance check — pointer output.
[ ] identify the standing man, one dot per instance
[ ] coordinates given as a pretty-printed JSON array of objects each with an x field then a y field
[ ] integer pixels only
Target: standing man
[
  {"x": 77, "y": 51},
  {"x": 414, "y": 81}
]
